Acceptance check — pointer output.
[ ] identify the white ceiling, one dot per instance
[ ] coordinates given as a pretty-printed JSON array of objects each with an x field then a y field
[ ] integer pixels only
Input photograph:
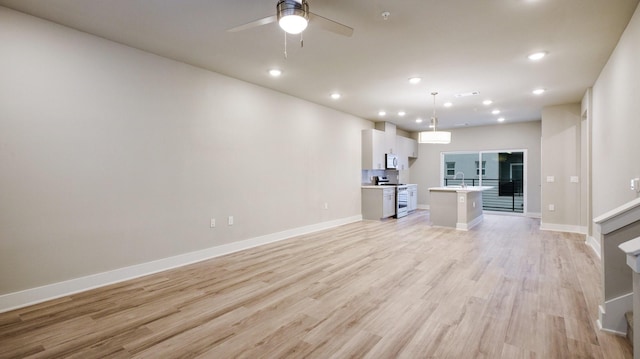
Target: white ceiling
[{"x": 454, "y": 45}]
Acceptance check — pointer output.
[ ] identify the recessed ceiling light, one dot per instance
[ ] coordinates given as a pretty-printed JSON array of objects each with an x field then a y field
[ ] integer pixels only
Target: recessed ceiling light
[
  {"x": 275, "y": 72},
  {"x": 432, "y": 126},
  {"x": 418, "y": 120},
  {"x": 415, "y": 80},
  {"x": 447, "y": 104},
  {"x": 501, "y": 119},
  {"x": 401, "y": 113},
  {"x": 382, "y": 113},
  {"x": 495, "y": 112},
  {"x": 335, "y": 95},
  {"x": 537, "y": 56},
  {"x": 487, "y": 102},
  {"x": 539, "y": 91}
]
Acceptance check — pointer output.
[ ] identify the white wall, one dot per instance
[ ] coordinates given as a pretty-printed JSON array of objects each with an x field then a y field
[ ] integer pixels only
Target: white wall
[
  {"x": 111, "y": 157},
  {"x": 616, "y": 123},
  {"x": 615, "y": 139},
  {"x": 586, "y": 110},
  {"x": 561, "y": 158},
  {"x": 425, "y": 171}
]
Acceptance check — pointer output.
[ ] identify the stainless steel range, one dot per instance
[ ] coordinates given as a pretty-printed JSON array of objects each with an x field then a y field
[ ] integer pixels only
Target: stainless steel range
[
  {"x": 402, "y": 201},
  {"x": 402, "y": 194}
]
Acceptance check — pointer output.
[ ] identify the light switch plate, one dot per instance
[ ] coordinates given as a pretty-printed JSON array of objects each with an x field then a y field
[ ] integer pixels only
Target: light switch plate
[
  {"x": 551, "y": 179},
  {"x": 574, "y": 179}
]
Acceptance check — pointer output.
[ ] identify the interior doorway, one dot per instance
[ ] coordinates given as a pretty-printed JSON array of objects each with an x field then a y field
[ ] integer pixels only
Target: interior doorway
[{"x": 504, "y": 171}]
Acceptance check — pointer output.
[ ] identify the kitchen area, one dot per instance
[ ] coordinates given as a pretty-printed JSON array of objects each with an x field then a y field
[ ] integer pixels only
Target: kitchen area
[
  {"x": 386, "y": 158},
  {"x": 384, "y": 199},
  {"x": 386, "y": 193}
]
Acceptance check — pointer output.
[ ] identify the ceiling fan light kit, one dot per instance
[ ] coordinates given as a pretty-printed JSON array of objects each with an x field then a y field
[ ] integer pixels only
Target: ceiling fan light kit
[{"x": 293, "y": 16}]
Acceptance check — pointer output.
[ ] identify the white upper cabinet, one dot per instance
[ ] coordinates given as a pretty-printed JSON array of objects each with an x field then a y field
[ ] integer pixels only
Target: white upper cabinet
[
  {"x": 374, "y": 143},
  {"x": 389, "y": 130},
  {"x": 407, "y": 148}
]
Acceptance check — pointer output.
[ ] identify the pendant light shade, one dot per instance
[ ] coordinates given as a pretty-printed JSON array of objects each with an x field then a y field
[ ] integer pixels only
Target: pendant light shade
[
  {"x": 435, "y": 136},
  {"x": 441, "y": 137},
  {"x": 293, "y": 16}
]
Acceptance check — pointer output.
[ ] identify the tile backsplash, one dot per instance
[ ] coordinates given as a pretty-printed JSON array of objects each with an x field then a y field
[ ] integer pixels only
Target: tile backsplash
[{"x": 367, "y": 175}]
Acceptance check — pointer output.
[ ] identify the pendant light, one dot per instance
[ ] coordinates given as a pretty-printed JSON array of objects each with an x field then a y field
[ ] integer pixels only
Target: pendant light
[
  {"x": 435, "y": 136},
  {"x": 293, "y": 15}
]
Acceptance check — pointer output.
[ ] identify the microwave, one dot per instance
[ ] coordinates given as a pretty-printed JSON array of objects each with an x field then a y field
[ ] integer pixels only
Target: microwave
[{"x": 391, "y": 161}]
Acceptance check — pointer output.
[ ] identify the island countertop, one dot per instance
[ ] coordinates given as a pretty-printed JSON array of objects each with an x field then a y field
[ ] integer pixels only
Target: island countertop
[{"x": 461, "y": 189}]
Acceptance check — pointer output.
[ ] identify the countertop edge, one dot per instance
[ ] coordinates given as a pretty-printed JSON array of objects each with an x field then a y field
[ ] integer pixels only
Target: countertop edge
[
  {"x": 388, "y": 186},
  {"x": 460, "y": 190}
]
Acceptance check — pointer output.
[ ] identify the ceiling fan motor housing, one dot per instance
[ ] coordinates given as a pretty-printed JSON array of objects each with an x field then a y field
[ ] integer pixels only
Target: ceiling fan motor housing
[{"x": 292, "y": 7}]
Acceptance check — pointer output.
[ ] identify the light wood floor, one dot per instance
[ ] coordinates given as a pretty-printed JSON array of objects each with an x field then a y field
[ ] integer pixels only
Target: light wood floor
[{"x": 391, "y": 289}]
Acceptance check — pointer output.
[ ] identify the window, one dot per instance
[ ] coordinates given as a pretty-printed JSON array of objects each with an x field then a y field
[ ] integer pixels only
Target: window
[
  {"x": 484, "y": 168},
  {"x": 451, "y": 168},
  {"x": 504, "y": 171}
]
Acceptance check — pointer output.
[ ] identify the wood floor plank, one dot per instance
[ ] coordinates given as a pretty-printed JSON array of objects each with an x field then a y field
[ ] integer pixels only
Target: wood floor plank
[
  {"x": 512, "y": 352},
  {"x": 397, "y": 288}
]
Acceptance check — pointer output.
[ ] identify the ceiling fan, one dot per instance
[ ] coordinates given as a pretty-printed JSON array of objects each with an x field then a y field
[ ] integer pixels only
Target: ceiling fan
[{"x": 293, "y": 17}]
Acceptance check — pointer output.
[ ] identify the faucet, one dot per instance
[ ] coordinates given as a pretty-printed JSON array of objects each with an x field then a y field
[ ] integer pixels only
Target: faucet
[{"x": 456, "y": 176}]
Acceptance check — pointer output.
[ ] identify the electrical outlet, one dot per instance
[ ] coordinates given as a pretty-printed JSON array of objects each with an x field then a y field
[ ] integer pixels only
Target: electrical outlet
[
  {"x": 552, "y": 207},
  {"x": 213, "y": 222},
  {"x": 635, "y": 184},
  {"x": 230, "y": 221},
  {"x": 326, "y": 205}
]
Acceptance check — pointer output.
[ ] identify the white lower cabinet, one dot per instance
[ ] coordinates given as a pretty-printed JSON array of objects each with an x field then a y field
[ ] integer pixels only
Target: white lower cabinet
[
  {"x": 413, "y": 197},
  {"x": 378, "y": 202}
]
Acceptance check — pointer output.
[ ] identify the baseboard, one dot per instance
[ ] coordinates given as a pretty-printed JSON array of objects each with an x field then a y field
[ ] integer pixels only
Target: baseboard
[
  {"x": 595, "y": 245},
  {"x": 32, "y": 296},
  {"x": 611, "y": 318},
  {"x": 528, "y": 214},
  {"x": 599, "y": 325},
  {"x": 500, "y": 213},
  {"x": 468, "y": 226},
  {"x": 563, "y": 228}
]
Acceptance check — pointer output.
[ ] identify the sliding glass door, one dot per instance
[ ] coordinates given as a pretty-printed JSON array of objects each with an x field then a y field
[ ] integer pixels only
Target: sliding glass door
[{"x": 504, "y": 171}]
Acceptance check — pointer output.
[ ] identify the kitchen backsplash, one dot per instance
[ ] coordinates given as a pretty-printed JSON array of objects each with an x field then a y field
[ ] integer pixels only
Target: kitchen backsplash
[{"x": 393, "y": 175}]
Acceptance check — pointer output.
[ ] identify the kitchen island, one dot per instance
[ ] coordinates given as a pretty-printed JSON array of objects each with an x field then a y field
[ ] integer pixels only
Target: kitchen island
[{"x": 456, "y": 206}]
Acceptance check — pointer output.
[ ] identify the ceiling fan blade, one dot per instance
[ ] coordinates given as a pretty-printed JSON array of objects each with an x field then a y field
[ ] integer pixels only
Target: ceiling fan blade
[
  {"x": 330, "y": 25},
  {"x": 256, "y": 23}
]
